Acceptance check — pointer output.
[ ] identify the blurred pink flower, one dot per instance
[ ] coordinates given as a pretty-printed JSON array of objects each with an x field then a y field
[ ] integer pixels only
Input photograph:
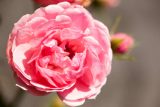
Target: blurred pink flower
[
  {"x": 60, "y": 48},
  {"x": 110, "y": 3},
  {"x": 48, "y": 2},
  {"x": 121, "y": 43}
]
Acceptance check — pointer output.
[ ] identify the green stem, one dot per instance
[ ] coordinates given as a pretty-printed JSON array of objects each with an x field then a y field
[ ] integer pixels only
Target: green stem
[
  {"x": 2, "y": 101},
  {"x": 18, "y": 97},
  {"x": 115, "y": 25}
]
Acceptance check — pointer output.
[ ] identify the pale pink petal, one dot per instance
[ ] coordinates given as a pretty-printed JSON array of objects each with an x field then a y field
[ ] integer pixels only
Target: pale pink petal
[
  {"x": 19, "y": 57},
  {"x": 73, "y": 103},
  {"x": 68, "y": 33},
  {"x": 77, "y": 94}
]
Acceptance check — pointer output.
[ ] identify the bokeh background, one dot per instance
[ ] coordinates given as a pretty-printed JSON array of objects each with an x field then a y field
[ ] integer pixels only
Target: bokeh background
[{"x": 131, "y": 84}]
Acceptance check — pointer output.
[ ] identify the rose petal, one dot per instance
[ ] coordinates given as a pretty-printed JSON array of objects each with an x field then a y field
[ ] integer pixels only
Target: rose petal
[{"x": 19, "y": 57}]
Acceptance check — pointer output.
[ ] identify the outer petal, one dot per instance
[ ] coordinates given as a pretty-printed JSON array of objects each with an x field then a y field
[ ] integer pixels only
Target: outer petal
[
  {"x": 76, "y": 95},
  {"x": 81, "y": 18},
  {"x": 19, "y": 57},
  {"x": 28, "y": 88},
  {"x": 74, "y": 103}
]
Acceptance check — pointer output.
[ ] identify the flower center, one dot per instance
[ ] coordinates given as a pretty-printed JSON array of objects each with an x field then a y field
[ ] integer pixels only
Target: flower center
[
  {"x": 55, "y": 67},
  {"x": 73, "y": 47}
]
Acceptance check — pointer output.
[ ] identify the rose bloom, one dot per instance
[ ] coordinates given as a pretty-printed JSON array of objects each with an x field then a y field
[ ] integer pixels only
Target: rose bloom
[
  {"x": 48, "y": 2},
  {"x": 121, "y": 43},
  {"x": 60, "y": 48}
]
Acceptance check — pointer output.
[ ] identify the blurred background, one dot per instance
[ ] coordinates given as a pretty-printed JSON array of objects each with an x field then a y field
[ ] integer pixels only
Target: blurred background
[{"x": 131, "y": 84}]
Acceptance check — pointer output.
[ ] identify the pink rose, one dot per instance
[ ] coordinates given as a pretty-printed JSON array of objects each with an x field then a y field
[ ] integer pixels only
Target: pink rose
[
  {"x": 121, "y": 43},
  {"x": 60, "y": 48},
  {"x": 48, "y": 2}
]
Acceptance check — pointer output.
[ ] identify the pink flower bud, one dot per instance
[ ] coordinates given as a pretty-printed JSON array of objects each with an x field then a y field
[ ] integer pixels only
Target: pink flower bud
[{"x": 121, "y": 43}]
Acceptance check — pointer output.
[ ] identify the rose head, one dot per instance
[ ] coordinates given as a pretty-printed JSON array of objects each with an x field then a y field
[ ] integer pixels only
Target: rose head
[
  {"x": 48, "y": 2},
  {"x": 121, "y": 43},
  {"x": 60, "y": 48}
]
